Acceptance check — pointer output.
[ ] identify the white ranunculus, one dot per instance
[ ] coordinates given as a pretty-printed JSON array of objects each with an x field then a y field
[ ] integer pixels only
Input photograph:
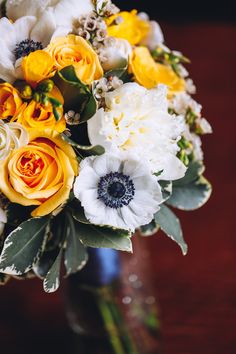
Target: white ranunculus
[
  {"x": 12, "y": 136},
  {"x": 155, "y": 36},
  {"x": 137, "y": 120},
  {"x": 21, "y": 37},
  {"x": 114, "y": 53},
  {"x": 64, "y": 11},
  {"x": 3, "y": 220},
  {"x": 118, "y": 190}
]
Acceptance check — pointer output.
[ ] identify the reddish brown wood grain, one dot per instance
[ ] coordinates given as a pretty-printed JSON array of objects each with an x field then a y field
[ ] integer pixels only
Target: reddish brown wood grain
[{"x": 197, "y": 293}]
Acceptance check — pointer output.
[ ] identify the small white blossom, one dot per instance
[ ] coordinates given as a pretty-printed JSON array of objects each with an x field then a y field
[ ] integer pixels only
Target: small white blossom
[
  {"x": 181, "y": 102},
  {"x": 114, "y": 53},
  {"x": 190, "y": 87},
  {"x": 72, "y": 118}
]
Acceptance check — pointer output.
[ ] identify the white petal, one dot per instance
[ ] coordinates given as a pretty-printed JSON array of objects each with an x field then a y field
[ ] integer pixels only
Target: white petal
[
  {"x": 86, "y": 180},
  {"x": 44, "y": 29},
  {"x": 19, "y": 8},
  {"x": 3, "y": 216},
  {"x": 172, "y": 167},
  {"x": 67, "y": 10},
  {"x": 23, "y": 28},
  {"x": 105, "y": 164}
]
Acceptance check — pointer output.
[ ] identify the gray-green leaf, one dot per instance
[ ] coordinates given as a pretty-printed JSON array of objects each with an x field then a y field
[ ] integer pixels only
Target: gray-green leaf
[
  {"x": 104, "y": 237},
  {"x": 191, "y": 196},
  {"x": 52, "y": 281},
  {"x": 23, "y": 246},
  {"x": 75, "y": 253},
  {"x": 170, "y": 225}
]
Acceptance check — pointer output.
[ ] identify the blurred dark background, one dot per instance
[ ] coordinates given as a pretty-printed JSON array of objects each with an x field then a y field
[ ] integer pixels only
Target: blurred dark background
[{"x": 197, "y": 293}]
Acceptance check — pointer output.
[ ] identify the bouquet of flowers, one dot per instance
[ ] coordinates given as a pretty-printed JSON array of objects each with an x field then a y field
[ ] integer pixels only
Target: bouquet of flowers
[{"x": 99, "y": 135}]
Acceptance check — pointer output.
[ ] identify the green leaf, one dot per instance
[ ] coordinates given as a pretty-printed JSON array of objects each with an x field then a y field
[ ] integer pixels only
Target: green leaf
[
  {"x": 191, "y": 196},
  {"x": 78, "y": 214},
  {"x": 90, "y": 109},
  {"x": 52, "y": 281},
  {"x": 75, "y": 253},
  {"x": 77, "y": 95},
  {"x": 88, "y": 150},
  {"x": 104, "y": 237},
  {"x": 170, "y": 225},
  {"x": 150, "y": 229},
  {"x": 68, "y": 75},
  {"x": 23, "y": 246}
]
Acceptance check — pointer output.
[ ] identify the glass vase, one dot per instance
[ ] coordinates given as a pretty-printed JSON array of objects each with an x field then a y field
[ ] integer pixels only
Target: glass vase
[{"x": 111, "y": 306}]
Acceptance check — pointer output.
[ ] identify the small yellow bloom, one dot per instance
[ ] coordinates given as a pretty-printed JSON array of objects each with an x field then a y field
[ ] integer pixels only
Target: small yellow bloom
[
  {"x": 41, "y": 173},
  {"x": 149, "y": 74},
  {"x": 10, "y": 101},
  {"x": 132, "y": 28},
  {"x": 40, "y": 116},
  {"x": 75, "y": 50},
  {"x": 37, "y": 66}
]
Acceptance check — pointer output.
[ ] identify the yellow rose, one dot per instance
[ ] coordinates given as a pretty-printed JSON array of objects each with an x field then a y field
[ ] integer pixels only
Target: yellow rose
[
  {"x": 10, "y": 101},
  {"x": 149, "y": 74},
  {"x": 41, "y": 173},
  {"x": 37, "y": 66},
  {"x": 39, "y": 116},
  {"x": 132, "y": 28},
  {"x": 75, "y": 50}
]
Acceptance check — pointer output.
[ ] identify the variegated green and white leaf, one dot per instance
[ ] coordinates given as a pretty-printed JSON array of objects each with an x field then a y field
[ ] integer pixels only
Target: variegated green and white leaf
[
  {"x": 150, "y": 229},
  {"x": 170, "y": 225},
  {"x": 75, "y": 253},
  {"x": 191, "y": 196},
  {"x": 23, "y": 246},
  {"x": 104, "y": 237},
  {"x": 52, "y": 281}
]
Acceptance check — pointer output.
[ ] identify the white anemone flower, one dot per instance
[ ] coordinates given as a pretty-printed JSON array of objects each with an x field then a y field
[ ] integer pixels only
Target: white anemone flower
[
  {"x": 64, "y": 11},
  {"x": 20, "y": 38},
  {"x": 12, "y": 136},
  {"x": 137, "y": 120},
  {"x": 118, "y": 190},
  {"x": 3, "y": 220}
]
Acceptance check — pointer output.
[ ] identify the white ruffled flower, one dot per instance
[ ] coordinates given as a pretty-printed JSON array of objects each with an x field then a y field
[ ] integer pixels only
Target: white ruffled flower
[
  {"x": 3, "y": 220},
  {"x": 19, "y": 39},
  {"x": 114, "y": 53},
  {"x": 118, "y": 190},
  {"x": 12, "y": 136},
  {"x": 137, "y": 120}
]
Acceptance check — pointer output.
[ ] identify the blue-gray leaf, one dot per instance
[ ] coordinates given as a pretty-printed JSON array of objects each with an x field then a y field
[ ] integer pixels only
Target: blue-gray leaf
[{"x": 170, "y": 225}]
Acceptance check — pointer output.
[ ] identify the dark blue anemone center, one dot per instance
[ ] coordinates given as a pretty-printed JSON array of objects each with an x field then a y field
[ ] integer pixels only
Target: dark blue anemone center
[
  {"x": 26, "y": 47},
  {"x": 116, "y": 190}
]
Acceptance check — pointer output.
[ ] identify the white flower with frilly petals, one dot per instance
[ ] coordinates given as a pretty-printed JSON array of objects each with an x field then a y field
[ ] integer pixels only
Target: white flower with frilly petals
[
  {"x": 118, "y": 190},
  {"x": 12, "y": 136},
  {"x": 3, "y": 220},
  {"x": 19, "y": 39},
  {"x": 137, "y": 120},
  {"x": 114, "y": 53}
]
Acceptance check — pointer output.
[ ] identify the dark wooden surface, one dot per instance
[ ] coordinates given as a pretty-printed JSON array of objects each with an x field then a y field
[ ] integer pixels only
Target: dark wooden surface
[{"x": 197, "y": 293}]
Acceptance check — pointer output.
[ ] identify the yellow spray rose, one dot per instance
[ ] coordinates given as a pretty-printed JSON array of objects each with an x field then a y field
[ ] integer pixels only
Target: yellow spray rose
[
  {"x": 40, "y": 116},
  {"x": 131, "y": 27},
  {"x": 75, "y": 50},
  {"x": 149, "y": 74},
  {"x": 40, "y": 173},
  {"x": 10, "y": 101},
  {"x": 37, "y": 66}
]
